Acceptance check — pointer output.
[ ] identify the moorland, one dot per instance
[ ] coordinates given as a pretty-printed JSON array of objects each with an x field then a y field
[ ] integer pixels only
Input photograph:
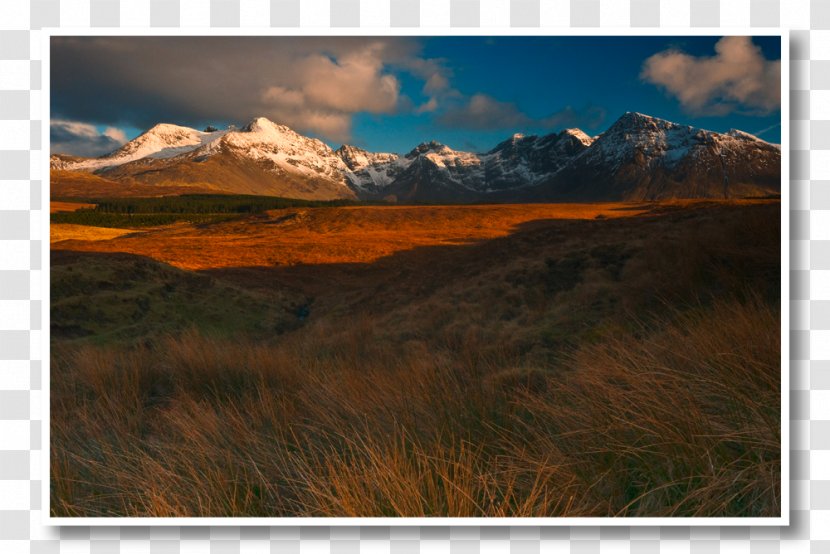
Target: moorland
[{"x": 218, "y": 355}]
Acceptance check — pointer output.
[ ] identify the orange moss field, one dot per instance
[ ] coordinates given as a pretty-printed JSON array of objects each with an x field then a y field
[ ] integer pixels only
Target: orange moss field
[
  {"x": 58, "y": 206},
  {"x": 361, "y": 234}
]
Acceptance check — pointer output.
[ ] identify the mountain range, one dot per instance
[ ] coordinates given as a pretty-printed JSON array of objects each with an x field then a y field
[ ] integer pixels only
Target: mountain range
[{"x": 638, "y": 158}]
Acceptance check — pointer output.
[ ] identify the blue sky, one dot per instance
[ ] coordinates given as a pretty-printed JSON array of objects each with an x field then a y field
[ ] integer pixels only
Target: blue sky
[
  {"x": 546, "y": 74},
  {"x": 389, "y": 94}
]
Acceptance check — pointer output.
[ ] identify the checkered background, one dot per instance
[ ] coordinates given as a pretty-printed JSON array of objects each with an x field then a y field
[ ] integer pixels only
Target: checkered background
[{"x": 23, "y": 207}]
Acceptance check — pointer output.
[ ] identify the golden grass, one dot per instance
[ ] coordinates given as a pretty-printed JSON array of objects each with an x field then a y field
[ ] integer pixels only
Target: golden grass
[
  {"x": 351, "y": 235},
  {"x": 681, "y": 420},
  {"x": 65, "y": 231},
  {"x": 342, "y": 235},
  {"x": 585, "y": 368}
]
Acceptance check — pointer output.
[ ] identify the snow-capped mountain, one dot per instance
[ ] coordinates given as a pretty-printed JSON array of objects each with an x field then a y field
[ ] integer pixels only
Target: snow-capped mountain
[
  {"x": 530, "y": 159},
  {"x": 434, "y": 172},
  {"x": 281, "y": 147},
  {"x": 369, "y": 173},
  {"x": 638, "y": 157},
  {"x": 161, "y": 141},
  {"x": 261, "y": 158},
  {"x": 642, "y": 157}
]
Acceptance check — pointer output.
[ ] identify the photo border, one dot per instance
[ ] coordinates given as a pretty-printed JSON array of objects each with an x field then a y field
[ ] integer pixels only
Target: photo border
[{"x": 782, "y": 520}]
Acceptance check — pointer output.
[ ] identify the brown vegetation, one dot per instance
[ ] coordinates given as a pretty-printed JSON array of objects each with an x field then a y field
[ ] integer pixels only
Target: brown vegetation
[
  {"x": 227, "y": 172},
  {"x": 65, "y": 231},
  {"x": 626, "y": 367},
  {"x": 310, "y": 236},
  {"x": 81, "y": 184}
]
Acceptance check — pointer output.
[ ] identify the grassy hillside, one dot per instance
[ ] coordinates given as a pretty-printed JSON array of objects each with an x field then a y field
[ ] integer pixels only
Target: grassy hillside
[
  {"x": 122, "y": 298},
  {"x": 80, "y": 184},
  {"x": 226, "y": 172},
  {"x": 588, "y": 367}
]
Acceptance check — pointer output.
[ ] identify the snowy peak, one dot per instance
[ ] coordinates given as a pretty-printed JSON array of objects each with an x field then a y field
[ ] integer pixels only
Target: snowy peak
[
  {"x": 577, "y": 134},
  {"x": 169, "y": 131},
  {"x": 637, "y": 123},
  {"x": 525, "y": 160},
  {"x": 263, "y": 125},
  {"x": 431, "y": 146},
  {"x": 637, "y": 118},
  {"x": 357, "y": 158},
  {"x": 279, "y": 147},
  {"x": 370, "y": 172},
  {"x": 162, "y": 140},
  {"x": 515, "y": 142},
  {"x": 280, "y": 151},
  {"x": 641, "y": 157},
  {"x": 743, "y": 135},
  {"x": 267, "y": 130},
  {"x": 655, "y": 137},
  {"x": 637, "y": 157},
  {"x": 262, "y": 132}
]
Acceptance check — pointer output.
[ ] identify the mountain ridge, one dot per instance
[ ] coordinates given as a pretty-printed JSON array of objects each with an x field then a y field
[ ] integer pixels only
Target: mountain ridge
[{"x": 639, "y": 157}]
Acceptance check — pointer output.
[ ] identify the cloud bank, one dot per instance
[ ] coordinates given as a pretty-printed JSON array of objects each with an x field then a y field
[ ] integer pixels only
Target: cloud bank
[
  {"x": 82, "y": 139},
  {"x": 736, "y": 79},
  {"x": 483, "y": 112},
  {"x": 314, "y": 85}
]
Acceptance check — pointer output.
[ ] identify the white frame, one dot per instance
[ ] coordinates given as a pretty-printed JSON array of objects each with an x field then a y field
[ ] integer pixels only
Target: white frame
[{"x": 782, "y": 520}]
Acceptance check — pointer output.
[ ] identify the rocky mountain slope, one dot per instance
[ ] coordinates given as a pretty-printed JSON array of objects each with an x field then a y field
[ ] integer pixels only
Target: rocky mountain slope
[{"x": 639, "y": 157}]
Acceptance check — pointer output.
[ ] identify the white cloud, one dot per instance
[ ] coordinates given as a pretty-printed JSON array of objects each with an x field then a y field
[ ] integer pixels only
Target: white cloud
[
  {"x": 436, "y": 83},
  {"x": 436, "y": 75},
  {"x": 355, "y": 82},
  {"x": 115, "y": 134},
  {"x": 284, "y": 97},
  {"x": 82, "y": 139},
  {"x": 322, "y": 93},
  {"x": 429, "y": 106},
  {"x": 736, "y": 78}
]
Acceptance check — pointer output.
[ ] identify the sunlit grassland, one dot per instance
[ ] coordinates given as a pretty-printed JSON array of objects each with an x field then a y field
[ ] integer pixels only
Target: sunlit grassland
[{"x": 585, "y": 367}]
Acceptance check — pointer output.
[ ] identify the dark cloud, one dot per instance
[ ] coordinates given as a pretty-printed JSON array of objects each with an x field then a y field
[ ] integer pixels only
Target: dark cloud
[
  {"x": 483, "y": 112},
  {"x": 312, "y": 84},
  {"x": 588, "y": 117},
  {"x": 82, "y": 139}
]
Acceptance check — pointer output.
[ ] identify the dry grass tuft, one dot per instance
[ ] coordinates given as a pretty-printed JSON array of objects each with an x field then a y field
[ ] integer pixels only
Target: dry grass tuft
[
  {"x": 679, "y": 418},
  {"x": 573, "y": 370},
  {"x": 66, "y": 231}
]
